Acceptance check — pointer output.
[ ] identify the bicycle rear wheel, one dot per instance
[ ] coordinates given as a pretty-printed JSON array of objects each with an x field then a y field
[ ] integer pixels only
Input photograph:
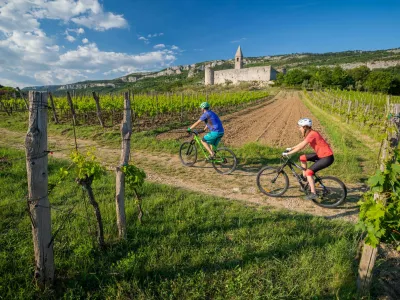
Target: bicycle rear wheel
[
  {"x": 272, "y": 183},
  {"x": 331, "y": 192},
  {"x": 225, "y": 161},
  {"x": 188, "y": 154}
]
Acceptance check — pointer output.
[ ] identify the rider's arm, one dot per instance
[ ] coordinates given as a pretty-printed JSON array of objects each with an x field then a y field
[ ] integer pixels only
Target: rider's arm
[
  {"x": 298, "y": 147},
  {"x": 195, "y": 124},
  {"x": 205, "y": 128}
]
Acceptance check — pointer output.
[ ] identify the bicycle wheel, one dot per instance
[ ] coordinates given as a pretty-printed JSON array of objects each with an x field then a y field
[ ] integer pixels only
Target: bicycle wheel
[
  {"x": 188, "y": 154},
  {"x": 331, "y": 192},
  {"x": 225, "y": 161},
  {"x": 272, "y": 183}
]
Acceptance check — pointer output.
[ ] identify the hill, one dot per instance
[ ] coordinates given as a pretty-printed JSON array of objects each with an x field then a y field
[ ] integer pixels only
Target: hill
[{"x": 180, "y": 77}]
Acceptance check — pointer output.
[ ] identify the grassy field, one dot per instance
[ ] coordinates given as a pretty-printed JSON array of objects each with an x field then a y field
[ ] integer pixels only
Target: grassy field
[{"x": 189, "y": 246}]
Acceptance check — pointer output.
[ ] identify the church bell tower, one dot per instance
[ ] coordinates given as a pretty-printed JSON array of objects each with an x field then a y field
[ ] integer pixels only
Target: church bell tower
[{"x": 239, "y": 59}]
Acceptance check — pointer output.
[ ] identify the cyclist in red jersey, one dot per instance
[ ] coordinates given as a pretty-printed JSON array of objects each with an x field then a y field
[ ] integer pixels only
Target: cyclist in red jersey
[{"x": 322, "y": 158}]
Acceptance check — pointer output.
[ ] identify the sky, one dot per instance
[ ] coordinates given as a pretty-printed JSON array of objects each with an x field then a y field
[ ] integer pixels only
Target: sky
[{"x": 49, "y": 42}]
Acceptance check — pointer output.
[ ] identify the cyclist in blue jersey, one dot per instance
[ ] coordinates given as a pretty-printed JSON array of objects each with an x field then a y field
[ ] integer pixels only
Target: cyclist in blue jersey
[{"x": 214, "y": 125}]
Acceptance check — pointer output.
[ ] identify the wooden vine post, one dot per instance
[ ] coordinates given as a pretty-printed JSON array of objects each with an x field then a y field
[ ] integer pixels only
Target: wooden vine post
[
  {"x": 98, "y": 109},
  {"x": 126, "y": 132},
  {"x": 369, "y": 253},
  {"x": 71, "y": 106},
  {"x": 38, "y": 201},
  {"x": 23, "y": 97},
  {"x": 53, "y": 108}
]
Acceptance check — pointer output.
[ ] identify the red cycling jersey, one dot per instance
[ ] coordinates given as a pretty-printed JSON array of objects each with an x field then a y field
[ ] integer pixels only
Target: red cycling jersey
[{"x": 318, "y": 143}]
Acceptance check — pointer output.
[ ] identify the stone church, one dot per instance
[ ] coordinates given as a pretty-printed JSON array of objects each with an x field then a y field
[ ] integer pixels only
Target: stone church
[{"x": 239, "y": 74}]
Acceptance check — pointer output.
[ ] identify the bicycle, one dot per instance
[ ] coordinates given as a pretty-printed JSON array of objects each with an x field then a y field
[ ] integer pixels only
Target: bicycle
[
  {"x": 274, "y": 182},
  {"x": 224, "y": 161}
]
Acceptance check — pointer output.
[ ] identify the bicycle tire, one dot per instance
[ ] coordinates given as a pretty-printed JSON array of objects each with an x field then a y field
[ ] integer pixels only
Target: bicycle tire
[
  {"x": 331, "y": 193},
  {"x": 188, "y": 154},
  {"x": 225, "y": 161},
  {"x": 265, "y": 178}
]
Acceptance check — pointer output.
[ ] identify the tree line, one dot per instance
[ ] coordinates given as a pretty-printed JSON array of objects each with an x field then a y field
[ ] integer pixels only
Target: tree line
[{"x": 361, "y": 79}]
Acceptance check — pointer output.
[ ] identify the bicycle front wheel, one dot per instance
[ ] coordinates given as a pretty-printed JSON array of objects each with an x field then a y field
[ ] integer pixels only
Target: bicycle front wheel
[
  {"x": 331, "y": 192},
  {"x": 271, "y": 182},
  {"x": 188, "y": 154},
  {"x": 225, "y": 161}
]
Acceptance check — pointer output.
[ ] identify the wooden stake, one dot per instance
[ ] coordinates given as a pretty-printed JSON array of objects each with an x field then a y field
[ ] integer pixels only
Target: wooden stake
[
  {"x": 126, "y": 132},
  {"x": 71, "y": 105},
  {"x": 53, "y": 108},
  {"x": 38, "y": 201},
  {"x": 98, "y": 109}
]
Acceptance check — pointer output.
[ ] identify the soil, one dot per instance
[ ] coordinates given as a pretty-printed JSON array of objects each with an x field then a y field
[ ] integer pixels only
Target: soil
[
  {"x": 251, "y": 124},
  {"x": 272, "y": 123}
]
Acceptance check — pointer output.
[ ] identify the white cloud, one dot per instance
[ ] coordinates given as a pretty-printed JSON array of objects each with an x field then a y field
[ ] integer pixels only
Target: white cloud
[
  {"x": 155, "y": 35},
  {"x": 159, "y": 46},
  {"x": 239, "y": 40},
  {"x": 102, "y": 21},
  {"x": 35, "y": 63},
  {"x": 78, "y": 31},
  {"x": 88, "y": 13},
  {"x": 69, "y": 38},
  {"x": 173, "y": 47},
  {"x": 142, "y": 38},
  {"x": 28, "y": 56}
]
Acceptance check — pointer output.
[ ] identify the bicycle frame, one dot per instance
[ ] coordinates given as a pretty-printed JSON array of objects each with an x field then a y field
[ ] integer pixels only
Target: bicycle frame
[
  {"x": 197, "y": 139},
  {"x": 201, "y": 146},
  {"x": 291, "y": 164}
]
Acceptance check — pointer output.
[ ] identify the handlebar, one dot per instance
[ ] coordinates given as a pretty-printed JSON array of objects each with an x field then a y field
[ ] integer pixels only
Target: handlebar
[{"x": 196, "y": 131}]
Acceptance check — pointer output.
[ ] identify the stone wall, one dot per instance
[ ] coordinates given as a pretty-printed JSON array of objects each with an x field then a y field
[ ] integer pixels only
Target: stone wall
[{"x": 265, "y": 73}]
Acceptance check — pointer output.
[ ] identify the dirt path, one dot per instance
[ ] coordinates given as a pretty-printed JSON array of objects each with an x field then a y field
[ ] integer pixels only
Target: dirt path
[
  {"x": 272, "y": 123},
  {"x": 164, "y": 168}
]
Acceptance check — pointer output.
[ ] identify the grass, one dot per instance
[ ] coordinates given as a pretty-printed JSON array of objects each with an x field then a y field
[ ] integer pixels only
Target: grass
[
  {"x": 189, "y": 246},
  {"x": 355, "y": 161}
]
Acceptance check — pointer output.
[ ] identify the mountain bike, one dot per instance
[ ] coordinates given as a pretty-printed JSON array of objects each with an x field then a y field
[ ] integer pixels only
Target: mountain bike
[
  {"x": 224, "y": 161},
  {"x": 274, "y": 182}
]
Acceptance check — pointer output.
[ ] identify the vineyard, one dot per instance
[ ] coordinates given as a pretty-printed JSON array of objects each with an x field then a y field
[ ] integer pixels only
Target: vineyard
[
  {"x": 367, "y": 110},
  {"x": 148, "y": 109}
]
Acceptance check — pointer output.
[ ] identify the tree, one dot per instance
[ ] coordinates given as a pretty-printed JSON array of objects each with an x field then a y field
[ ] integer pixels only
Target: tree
[
  {"x": 340, "y": 78},
  {"x": 296, "y": 77},
  {"x": 323, "y": 76},
  {"x": 380, "y": 81},
  {"x": 359, "y": 74}
]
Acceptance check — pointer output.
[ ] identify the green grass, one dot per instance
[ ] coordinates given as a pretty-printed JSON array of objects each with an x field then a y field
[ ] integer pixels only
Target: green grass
[
  {"x": 354, "y": 160},
  {"x": 189, "y": 246}
]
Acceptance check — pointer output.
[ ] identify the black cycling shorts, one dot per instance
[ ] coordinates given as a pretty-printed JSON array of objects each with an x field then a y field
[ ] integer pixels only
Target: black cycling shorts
[{"x": 319, "y": 163}]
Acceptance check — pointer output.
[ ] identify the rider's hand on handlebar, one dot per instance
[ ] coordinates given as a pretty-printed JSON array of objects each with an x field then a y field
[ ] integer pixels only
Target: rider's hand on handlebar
[
  {"x": 189, "y": 130},
  {"x": 285, "y": 154}
]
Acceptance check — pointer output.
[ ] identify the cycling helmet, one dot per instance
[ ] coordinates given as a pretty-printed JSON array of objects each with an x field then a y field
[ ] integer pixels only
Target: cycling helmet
[
  {"x": 305, "y": 122},
  {"x": 205, "y": 105}
]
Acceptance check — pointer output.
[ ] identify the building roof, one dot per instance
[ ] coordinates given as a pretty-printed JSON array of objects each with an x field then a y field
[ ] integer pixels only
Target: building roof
[{"x": 239, "y": 52}]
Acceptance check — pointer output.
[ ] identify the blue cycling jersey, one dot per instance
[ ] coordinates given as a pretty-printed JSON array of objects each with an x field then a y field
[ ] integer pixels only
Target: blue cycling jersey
[{"x": 212, "y": 120}]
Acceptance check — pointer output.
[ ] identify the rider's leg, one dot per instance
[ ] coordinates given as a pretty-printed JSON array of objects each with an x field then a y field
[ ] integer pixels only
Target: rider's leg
[
  {"x": 310, "y": 179},
  {"x": 208, "y": 147},
  {"x": 317, "y": 166},
  {"x": 303, "y": 161}
]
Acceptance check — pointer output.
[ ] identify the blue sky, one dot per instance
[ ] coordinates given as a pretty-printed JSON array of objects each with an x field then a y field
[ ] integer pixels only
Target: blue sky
[{"x": 64, "y": 41}]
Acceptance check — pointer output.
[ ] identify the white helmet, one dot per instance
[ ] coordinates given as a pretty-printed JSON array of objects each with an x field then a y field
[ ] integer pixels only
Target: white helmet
[{"x": 305, "y": 122}]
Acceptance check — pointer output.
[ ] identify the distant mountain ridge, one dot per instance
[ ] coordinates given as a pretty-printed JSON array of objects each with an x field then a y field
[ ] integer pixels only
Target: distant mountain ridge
[{"x": 379, "y": 59}]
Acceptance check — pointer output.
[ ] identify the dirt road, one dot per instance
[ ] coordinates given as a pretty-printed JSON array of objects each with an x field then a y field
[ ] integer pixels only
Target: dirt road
[{"x": 274, "y": 123}]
